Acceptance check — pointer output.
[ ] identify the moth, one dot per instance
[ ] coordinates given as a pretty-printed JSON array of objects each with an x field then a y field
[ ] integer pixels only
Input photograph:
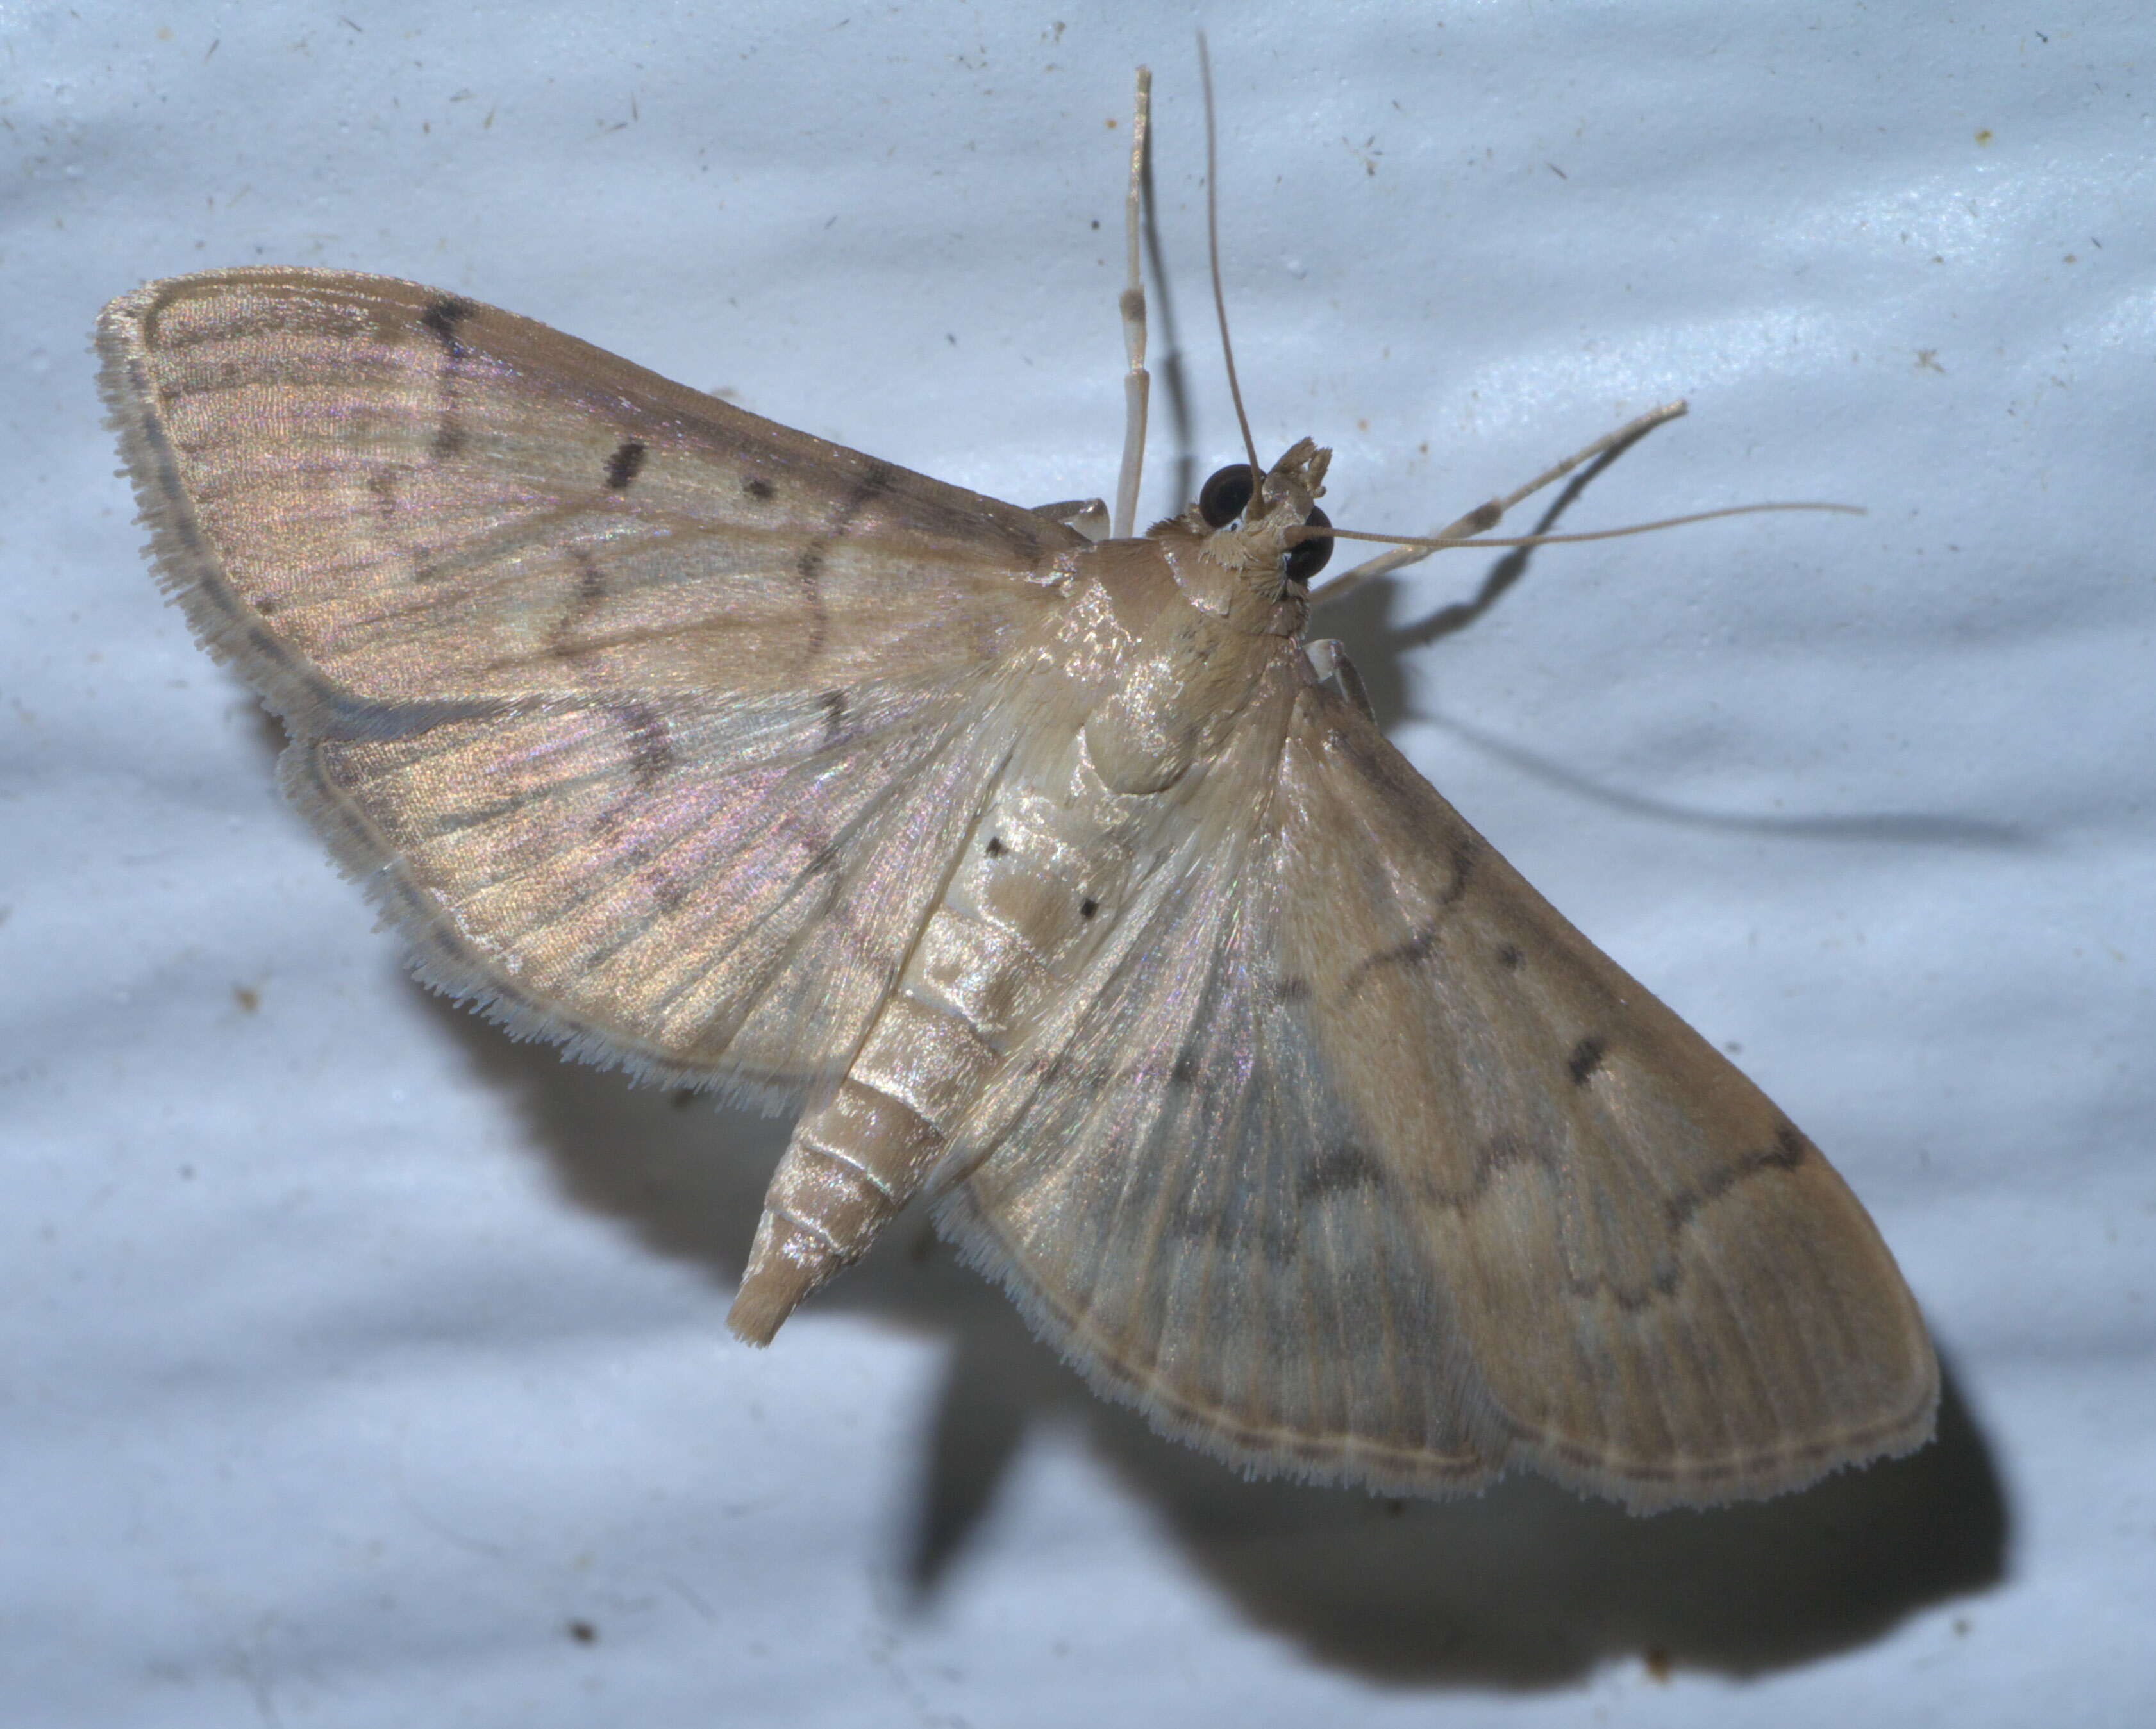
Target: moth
[{"x": 1061, "y": 880}]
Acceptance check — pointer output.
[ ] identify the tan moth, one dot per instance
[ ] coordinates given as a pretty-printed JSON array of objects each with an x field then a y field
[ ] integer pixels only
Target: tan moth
[{"x": 1062, "y": 880}]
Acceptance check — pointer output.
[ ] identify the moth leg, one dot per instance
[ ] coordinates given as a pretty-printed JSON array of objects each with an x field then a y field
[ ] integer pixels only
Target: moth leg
[
  {"x": 1330, "y": 664},
  {"x": 1484, "y": 517},
  {"x": 1138, "y": 382},
  {"x": 1088, "y": 516}
]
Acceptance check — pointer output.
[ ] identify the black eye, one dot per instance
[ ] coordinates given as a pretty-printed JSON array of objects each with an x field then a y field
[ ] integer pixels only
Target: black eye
[
  {"x": 1306, "y": 558},
  {"x": 1226, "y": 495}
]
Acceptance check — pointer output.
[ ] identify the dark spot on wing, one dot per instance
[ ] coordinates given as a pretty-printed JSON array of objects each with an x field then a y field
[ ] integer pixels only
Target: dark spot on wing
[
  {"x": 443, "y": 317},
  {"x": 1292, "y": 989},
  {"x": 625, "y": 465},
  {"x": 761, "y": 489},
  {"x": 1499, "y": 1153},
  {"x": 651, "y": 748},
  {"x": 1412, "y": 952},
  {"x": 1279, "y": 1240},
  {"x": 265, "y": 604},
  {"x": 876, "y": 479},
  {"x": 809, "y": 567},
  {"x": 1461, "y": 859},
  {"x": 484, "y": 815},
  {"x": 1424, "y": 944},
  {"x": 819, "y": 849},
  {"x": 995, "y": 848},
  {"x": 1088, "y": 907},
  {"x": 666, "y": 893},
  {"x": 1789, "y": 1151},
  {"x": 1507, "y": 1149},
  {"x": 1509, "y": 957},
  {"x": 833, "y": 704},
  {"x": 1585, "y": 1059},
  {"x": 1185, "y": 1071},
  {"x": 1238, "y": 1222},
  {"x": 1343, "y": 1169},
  {"x": 584, "y": 601}
]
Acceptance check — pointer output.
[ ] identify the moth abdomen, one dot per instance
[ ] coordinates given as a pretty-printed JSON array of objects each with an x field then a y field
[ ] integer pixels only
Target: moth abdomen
[
  {"x": 1035, "y": 888},
  {"x": 851, "y": 1164},
  {"x": 856, "y": 1159}
]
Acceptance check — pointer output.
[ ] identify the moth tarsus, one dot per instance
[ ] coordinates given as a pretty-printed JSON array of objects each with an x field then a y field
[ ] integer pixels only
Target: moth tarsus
[{"x": 1063, "y": 875}]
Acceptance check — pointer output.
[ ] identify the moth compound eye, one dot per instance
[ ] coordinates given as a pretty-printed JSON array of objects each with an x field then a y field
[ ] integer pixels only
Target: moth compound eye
[
  {"x": 1226, "y": 495},
  {"x": 1306, "y": 558}
]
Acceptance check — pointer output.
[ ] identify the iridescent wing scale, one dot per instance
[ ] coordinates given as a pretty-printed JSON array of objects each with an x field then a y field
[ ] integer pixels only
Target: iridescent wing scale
[{"x": 644, "y": 718}]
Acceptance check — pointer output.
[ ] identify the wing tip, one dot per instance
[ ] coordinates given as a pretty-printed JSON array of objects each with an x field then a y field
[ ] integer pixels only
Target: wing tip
[{"x": 186, "y": 568}]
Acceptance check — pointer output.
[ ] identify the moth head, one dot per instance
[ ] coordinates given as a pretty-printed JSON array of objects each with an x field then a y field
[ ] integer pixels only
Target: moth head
[{"x": 1250, "y": 522}]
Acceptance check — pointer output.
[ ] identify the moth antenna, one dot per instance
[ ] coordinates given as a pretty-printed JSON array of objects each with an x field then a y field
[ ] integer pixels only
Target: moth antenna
[
  {"x": 1421, "y": 544},
  {"x": 1137, "y": 383},
  {"x": 1469, "y": 529},
  {"x": 1213, "y": 250}
]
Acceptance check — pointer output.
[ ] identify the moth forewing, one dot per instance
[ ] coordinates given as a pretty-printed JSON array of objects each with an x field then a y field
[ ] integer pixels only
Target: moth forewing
[
  {"x": 609, "y": 736},
  {"x": 1055, "y": 871}
]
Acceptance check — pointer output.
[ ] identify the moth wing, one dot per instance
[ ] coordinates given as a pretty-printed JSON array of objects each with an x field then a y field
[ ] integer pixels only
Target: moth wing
[
  {"x": 1360, "y": 1161},
  {"x": 651, "y": 721}
]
